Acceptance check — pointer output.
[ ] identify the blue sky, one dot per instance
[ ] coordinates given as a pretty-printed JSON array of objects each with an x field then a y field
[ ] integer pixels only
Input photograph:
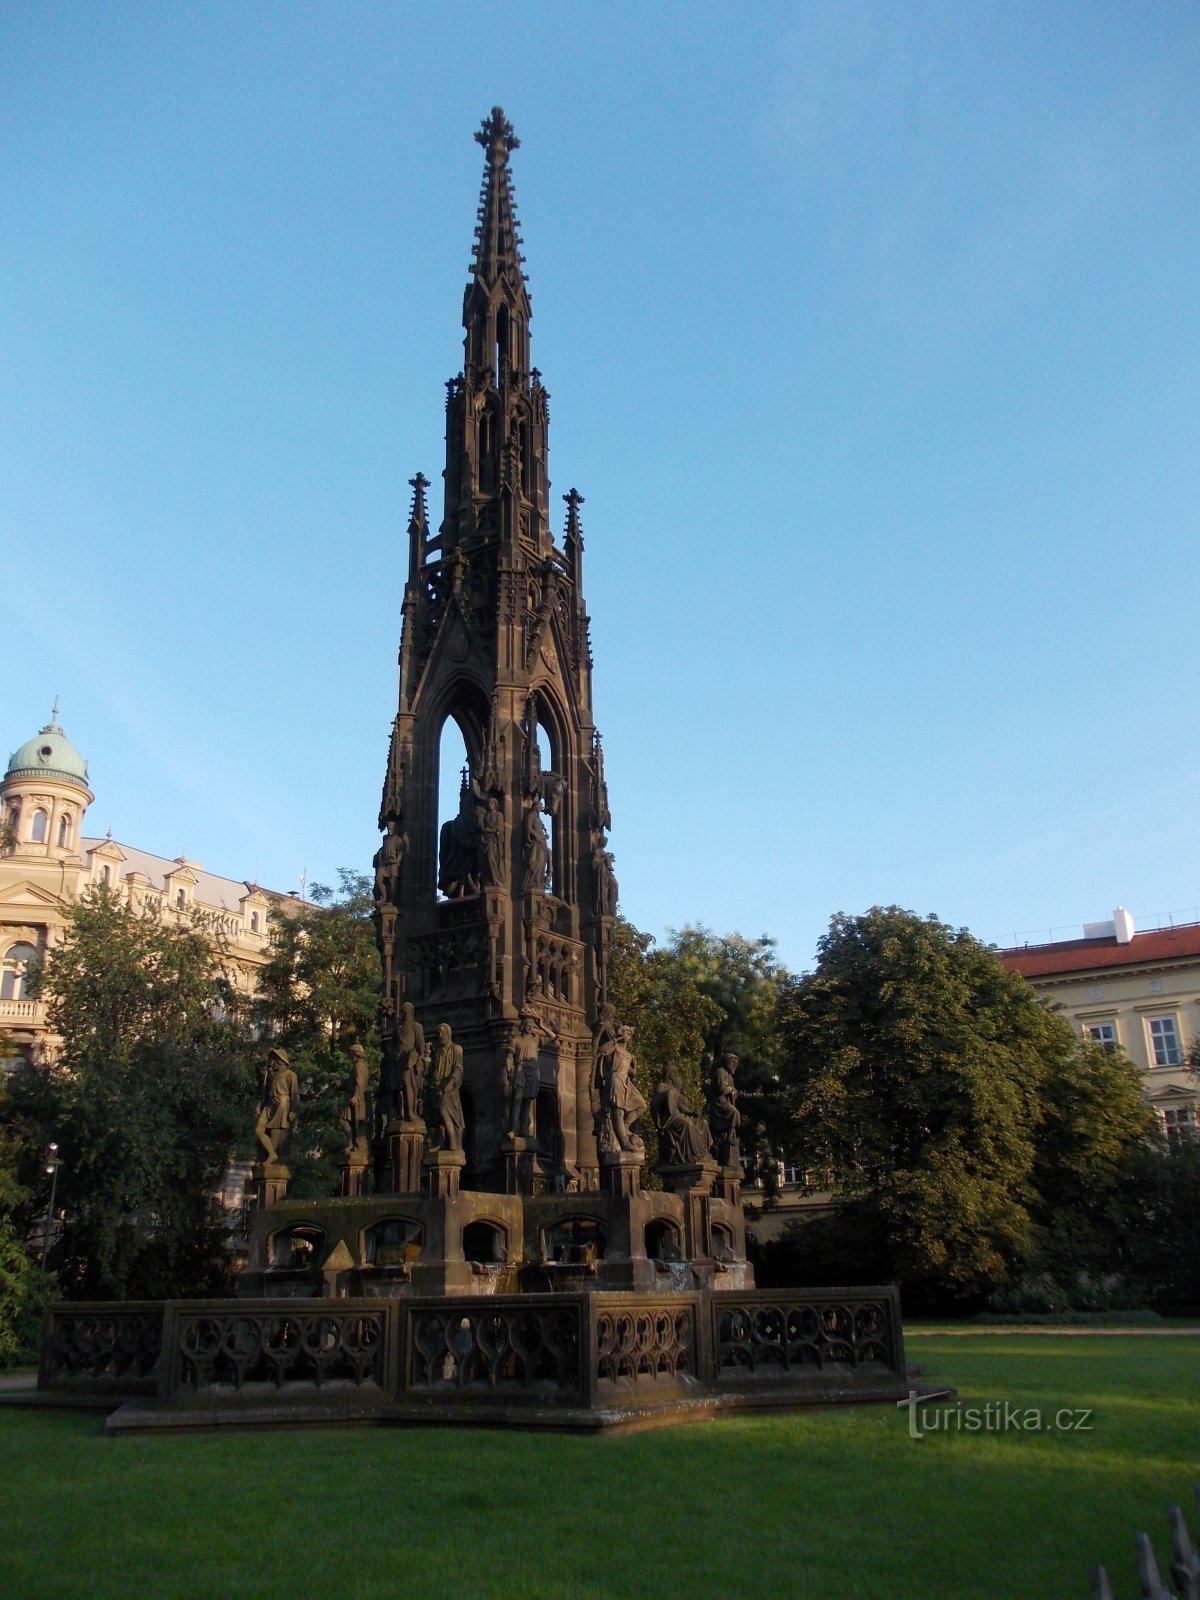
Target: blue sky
[{"x": 871, "y": 335}]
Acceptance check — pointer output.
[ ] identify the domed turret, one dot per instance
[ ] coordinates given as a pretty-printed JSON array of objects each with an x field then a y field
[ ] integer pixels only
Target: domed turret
[
  {"x": 45, "y": 794},
  {"x": 49, "y": 754}
]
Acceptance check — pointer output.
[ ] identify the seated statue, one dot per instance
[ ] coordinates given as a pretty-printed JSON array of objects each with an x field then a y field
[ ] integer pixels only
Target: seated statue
[
  {"x": 684, "y": 1139},
  {"x": 724, "y": 1115}
]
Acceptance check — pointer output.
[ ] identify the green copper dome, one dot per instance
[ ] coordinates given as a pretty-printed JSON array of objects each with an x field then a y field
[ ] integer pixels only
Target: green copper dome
[{"x": 49, "y": 754}]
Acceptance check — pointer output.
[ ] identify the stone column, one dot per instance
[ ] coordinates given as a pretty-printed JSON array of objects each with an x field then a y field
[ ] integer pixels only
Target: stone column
[
  {"x": 443, "y": 1173},
  {"x": 271, "y": 1179}
]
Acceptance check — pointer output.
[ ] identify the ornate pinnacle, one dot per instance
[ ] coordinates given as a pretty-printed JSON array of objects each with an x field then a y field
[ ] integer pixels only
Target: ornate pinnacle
[
  {"x": 574, "y": 531},
  {"x": 419, "y": 484},
  {"x": 497, "y": 137},
  {"x": 497, "y": 242}
]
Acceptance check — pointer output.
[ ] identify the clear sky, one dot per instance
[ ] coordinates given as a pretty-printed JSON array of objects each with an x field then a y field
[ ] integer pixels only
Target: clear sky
[{"x": 871, "y": 331}]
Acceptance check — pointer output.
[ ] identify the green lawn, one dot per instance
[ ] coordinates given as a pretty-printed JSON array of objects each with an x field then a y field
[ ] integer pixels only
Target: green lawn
[{"x": 828, "y": 1504}]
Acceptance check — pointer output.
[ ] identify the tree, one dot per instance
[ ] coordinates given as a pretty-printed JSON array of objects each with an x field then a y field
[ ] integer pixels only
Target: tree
[
  {"x": 671, "y": 1017},
  {"x": 916, "y": 1072},
  {"x": 744, "y": 979},
  {"x": 318, "y": 994},
  {"x": 145, "y": 1098}
]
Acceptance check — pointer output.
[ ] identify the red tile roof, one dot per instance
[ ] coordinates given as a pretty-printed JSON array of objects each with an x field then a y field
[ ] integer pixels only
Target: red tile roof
[{"x": 1082, "y": 955}]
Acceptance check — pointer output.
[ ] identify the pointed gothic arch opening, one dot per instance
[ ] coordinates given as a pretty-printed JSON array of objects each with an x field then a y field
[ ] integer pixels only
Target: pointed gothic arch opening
[
  {"x": 503, "y": 353},
  {"x": 455, "y": 814}
]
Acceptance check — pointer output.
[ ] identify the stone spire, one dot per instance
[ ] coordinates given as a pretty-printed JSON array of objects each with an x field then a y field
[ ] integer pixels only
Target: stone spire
[
  {"x": 497, "y": 242},
  {"x": 496, "y": 308}
]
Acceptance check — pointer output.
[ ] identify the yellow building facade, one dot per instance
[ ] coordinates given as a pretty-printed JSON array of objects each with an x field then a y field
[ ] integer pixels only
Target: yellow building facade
[
  {"x": 47, "y": 861},
  {"x": 1134, "y": 992}
]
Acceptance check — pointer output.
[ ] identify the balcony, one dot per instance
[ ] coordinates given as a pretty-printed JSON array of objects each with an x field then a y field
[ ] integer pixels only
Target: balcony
[{"x": 22, "y": 1014}]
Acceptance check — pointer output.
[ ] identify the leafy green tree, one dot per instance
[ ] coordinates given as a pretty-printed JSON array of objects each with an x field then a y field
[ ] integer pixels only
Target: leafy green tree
[
  {"x": 744, "y": 979},
  {"x": 916, "y": 1072},
  {"x": 672, "y": 1018},
  {"x": 318, "y": 994},
  {"x": 19, "y": 1299},
  {"x": 145, "y": 1098},
  {"x": 1093, "y": 1128}
]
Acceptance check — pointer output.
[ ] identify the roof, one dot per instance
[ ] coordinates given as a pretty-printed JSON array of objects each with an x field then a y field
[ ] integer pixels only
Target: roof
[
  {"x": 1087, "y": 955},
  {"x": 210, "y": 890},
  {"x": 49, "y": 754}
]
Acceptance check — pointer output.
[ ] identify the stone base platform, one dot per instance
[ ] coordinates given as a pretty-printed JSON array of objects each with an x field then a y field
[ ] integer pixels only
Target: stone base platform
[{"x": 590, "y": 1362}]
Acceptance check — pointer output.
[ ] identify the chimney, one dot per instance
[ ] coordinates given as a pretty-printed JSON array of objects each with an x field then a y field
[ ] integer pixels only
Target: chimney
[{"x": 1123, "y": 926}]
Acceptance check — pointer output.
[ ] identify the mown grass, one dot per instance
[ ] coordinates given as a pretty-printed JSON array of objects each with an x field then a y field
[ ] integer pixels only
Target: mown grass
[{"x": 830, "y": 1505}]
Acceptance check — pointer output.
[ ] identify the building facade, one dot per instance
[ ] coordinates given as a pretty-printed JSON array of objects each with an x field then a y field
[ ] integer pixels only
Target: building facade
[
  {"x": 1134, "y": 992},
  {"x": 47, "y": 862}
]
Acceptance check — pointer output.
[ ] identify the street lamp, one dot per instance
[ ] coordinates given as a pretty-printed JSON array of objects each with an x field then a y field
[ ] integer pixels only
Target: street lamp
[{"x": 52, "y": 1165}]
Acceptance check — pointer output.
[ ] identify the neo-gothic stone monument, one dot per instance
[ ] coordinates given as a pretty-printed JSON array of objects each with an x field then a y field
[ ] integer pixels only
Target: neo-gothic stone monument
[
  {"x": 505, "y": 1071},
  {"x": 492, "y": 1216}
]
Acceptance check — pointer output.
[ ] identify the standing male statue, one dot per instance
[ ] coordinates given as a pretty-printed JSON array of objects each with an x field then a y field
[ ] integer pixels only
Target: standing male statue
[
  {"x": 410, "y": 1063},
  {"x": 277, "y": 1105},
  {"x": 354, "y": 1112},
  {"x": 446, "y": 1073},
  {"x": 521, "y": 1076},
  {"x": 621, "y": 1103}
]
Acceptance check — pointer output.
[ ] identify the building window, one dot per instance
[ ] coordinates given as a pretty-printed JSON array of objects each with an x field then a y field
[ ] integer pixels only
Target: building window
[
  {"x": 15, "y": 973},
  {"x": 64, "y": 831},
  {"x": 1164, "y": 1042},
  {"x": 180, "y": 899},
  {"x": 1102, "y": 1033},
  {"x": 40, "y": 823},
  {"x": 254, "y": 922},
  {"x": 1180, "y": 1123},
  {"x": 106, "y": 875}
]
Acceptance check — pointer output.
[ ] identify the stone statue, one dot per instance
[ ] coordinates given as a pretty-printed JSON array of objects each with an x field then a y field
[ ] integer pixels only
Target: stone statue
[
  {"x": 410, "y": 1063},
  {"x": 389, "y": 865},
  {"x": 354, "y": 1112},
  {"x": 723, "y": 1114},
  {"x": 278, "y": 1102},
  {"x": 491, "y": 843},
  {"x": 684, "y": 1139},
  {"x": 521, "y": 1076},
  {"x": 604, "y": 879},
  {"x": 603, "y": 1036},
  {"x": 537, "y": 851},
  {"x": 458, "y": 850},
  {"x": 446, "y": 1073},
  {"x": 621, "y": 1105}
]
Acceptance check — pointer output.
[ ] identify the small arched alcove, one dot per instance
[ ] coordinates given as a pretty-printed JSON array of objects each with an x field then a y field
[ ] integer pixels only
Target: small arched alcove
[
  {"x": 394, "y": 1242},
  {"x": 574, "y": 1240},
  {"x": 296, "y": 1249},
  {"x": 485, "y": 1242},
  {"x": 663, "y": 1240}
]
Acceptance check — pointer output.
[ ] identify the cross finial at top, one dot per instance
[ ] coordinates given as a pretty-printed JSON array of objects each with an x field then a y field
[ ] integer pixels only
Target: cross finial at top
[{"x": 496, "y": 135}]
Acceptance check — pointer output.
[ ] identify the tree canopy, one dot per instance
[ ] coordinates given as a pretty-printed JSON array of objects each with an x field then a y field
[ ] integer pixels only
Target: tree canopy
[
  {"x": 318, "y": 994},
  {"x": 933, "y": 1085},
  {"x": 145, "y": 1098}
]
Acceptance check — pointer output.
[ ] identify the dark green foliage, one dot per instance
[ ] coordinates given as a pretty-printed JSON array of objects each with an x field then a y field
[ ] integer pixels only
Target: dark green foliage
[
  {"x": 1162, "y": 1246},
  {"x": 318, "y": 994},
  {"x": 145, "y": 1100},
  {"x": 936, "y": 1087}
]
